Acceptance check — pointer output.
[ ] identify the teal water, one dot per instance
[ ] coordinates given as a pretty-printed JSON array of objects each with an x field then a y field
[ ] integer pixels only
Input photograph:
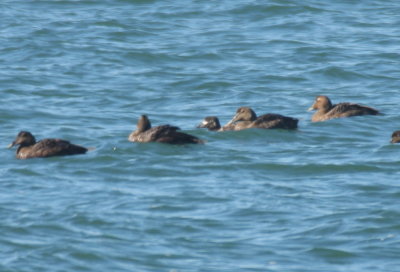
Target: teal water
[{"x": 323, "y": 198}]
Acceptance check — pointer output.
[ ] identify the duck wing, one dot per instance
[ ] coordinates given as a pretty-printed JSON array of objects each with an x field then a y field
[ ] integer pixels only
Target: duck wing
[
  {"x": 169, "y": 134},
  {"x": 154, "y": 133},
  {"x": 272, "y": 120},
  {"x": 166, "y": 134},
  {"x": 350, "y": 109},
  {"x": 55, "y": 147},
  {"x": 175, "y": 137}
]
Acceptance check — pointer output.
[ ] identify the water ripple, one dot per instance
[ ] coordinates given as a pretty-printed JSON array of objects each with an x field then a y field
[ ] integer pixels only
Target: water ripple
[{"x": 322, "y": 198}]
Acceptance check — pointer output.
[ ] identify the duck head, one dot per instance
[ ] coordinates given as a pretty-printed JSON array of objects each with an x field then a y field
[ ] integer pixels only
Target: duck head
[
  {"x": 321, "y": 102},
  {"x": 24, "y": 138},
  {"x": 395, "y": 137},
  {"x": 243, "y": 114},
  {"x": 143, "y": 123},
  {"x": 211, "y": 123}
]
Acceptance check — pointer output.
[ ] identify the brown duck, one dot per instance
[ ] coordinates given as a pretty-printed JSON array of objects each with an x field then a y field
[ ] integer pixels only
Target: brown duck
[
  {"x": 325, "y": 109},
  {"x": 246, "y": 118},
  {"x": 163, "y": 134},
  {"x": 29, "y": 148}
]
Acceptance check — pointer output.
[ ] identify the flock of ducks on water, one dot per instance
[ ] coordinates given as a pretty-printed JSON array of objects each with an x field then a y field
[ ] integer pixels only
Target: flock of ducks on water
[{"x": 244, "y": 118}]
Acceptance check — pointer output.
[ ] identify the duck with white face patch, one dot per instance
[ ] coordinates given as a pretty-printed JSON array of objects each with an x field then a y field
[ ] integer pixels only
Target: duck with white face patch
[{"x": 211, "y": 123}]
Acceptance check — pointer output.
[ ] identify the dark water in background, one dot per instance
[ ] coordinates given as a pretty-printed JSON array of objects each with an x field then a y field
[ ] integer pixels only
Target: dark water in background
[{"x": 323, "y": 198}]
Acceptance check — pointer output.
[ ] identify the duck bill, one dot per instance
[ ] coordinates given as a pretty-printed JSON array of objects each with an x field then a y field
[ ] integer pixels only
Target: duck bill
[
  {"x": 311, "y": 108},
  {"x": 234, "y": 119},
  {"x": 202, "y": 125},
  {"x": 11, "y": 145}
]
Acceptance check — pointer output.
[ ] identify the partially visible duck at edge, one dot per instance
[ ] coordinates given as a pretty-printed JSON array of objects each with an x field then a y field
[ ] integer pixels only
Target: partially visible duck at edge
[
  {"x": 29, "y": 148},
  {"x": 162, "y": 134},
  {"x": 326, "y": 110},
  {"x": 246, "y": 118},
  {"x": 395, "y": 137}
]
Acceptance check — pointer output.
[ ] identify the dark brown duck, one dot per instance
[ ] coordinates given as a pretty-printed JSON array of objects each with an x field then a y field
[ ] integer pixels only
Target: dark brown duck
[
  {"x": 325, "y": 109},
  {"x": 212, "y": 123},
  {"x": 29, "y": 148},
  {"x": 163, "y": 134},
  {"x": 246, "y": 118},
  {"x": 395, "y": 137}
]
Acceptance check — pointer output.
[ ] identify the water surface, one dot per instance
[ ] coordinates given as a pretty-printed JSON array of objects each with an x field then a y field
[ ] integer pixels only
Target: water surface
[{"x": 322, "y": 198}]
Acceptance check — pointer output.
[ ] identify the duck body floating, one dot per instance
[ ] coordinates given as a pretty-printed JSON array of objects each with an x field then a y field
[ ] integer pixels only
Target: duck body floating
[
  {"x": 29, "y": 148},
  {"x": 168, "y": 134},
  {"x": 246, "y": 118},
  {"x": 326, "y": 110}
]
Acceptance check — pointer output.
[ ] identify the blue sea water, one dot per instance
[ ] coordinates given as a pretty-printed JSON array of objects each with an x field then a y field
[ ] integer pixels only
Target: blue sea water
[{"x": 322, "y": 198}]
